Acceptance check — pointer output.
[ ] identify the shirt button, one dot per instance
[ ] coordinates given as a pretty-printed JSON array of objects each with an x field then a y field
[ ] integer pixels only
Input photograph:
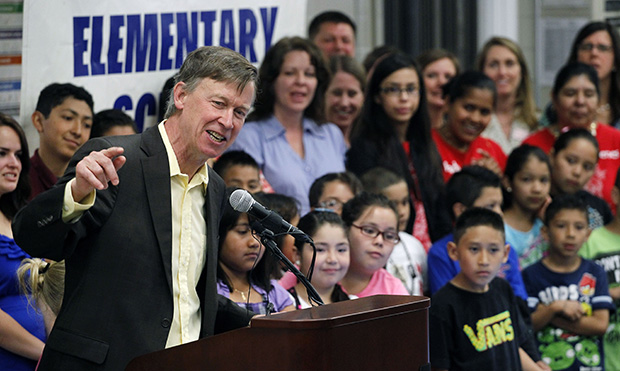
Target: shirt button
[{"x": 165, "y": 323}]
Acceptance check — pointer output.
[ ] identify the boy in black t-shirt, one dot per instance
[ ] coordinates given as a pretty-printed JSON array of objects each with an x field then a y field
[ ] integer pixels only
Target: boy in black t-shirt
[{"x": 474, "y": 320}]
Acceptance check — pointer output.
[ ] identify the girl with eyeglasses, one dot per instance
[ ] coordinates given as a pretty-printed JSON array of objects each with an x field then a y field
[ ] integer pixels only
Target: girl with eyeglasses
[
  {"x": 408, "y": 259},
  {"x": 372, "y": 222},
  {"x": 394, "y": 132},
  {"x": 471, "y": 100},
  {"x": 597, "y": 45}
]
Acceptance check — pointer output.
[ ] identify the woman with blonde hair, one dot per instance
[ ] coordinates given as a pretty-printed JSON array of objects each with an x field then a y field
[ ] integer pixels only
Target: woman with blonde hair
[
  {"x": 45, "y": 283},
  {"x": 515, "y": 114}
]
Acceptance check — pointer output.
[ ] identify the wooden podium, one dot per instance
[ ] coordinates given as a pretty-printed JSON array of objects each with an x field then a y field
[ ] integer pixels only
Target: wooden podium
[{"x": 373, "y": 333}]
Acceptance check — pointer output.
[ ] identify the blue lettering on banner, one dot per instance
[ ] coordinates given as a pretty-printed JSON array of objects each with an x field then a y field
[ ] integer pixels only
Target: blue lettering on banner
[
  {"x": 166, "y": 42},
  {"x": 269, "y": 20},
  {"x": 142, "y": 41},
  {"x": 247, "y": 33},
  {"x": 227, "y": 30},
  {"x": 98, "y": 68},
  {"x": 186, "y": 40},
  {"x": 80, "y": 44},
  {"x": 116, "y": 44},
  {"x": 123, "y": 103},
  {"x": 160, "y": 42},
  {"x": 147, "y": 106}
]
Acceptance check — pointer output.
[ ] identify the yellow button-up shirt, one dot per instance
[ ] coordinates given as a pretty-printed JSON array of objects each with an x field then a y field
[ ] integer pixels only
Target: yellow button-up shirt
[{"x": 189, "y": 236}]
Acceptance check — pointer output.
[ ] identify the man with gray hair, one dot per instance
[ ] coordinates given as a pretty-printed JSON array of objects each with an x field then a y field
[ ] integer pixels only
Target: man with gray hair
[{"x": 136, "y": 220}]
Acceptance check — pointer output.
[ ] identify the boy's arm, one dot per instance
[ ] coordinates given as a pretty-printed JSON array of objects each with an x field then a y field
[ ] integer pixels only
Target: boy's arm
[
  {"x": 614, "y": 292},
  {"x": 594, "y": 325},
  {"x": 528, "y": 364},
  {"x": 544, "y": 314}
]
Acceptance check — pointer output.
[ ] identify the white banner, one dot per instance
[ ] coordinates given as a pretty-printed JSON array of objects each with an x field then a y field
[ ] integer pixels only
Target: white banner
[{"x": 123, "y": 51}]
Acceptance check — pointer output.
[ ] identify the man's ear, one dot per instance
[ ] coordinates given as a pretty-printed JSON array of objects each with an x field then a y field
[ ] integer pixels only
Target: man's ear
[
  {"x": 37, "y": 120},
  {"x": 458, "y": 209},
  {"x": 452, "y": 251},
  {"x": 179, "y": 94}
]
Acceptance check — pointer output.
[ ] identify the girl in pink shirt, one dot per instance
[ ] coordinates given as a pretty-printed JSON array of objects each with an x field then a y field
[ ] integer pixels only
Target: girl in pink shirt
[{"x": 373, "y": 232}]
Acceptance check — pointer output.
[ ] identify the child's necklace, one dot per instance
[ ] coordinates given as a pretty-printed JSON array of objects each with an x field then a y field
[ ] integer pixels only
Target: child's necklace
[{"x": 245, "y": 298}]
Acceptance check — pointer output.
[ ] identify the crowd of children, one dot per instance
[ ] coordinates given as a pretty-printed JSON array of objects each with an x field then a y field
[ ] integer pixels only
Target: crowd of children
[{"x": 409, "y": 193}]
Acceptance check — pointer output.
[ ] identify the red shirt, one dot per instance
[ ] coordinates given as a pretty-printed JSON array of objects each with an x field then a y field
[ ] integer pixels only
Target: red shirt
[
  {"x": 41, "y": 178},
  {"x": 602, "y": 182},
  {"x": 453, "y": 160}
]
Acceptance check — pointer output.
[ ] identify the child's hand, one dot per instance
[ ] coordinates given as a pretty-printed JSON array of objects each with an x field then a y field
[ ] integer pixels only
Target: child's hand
[
  {"x": 487, "y": 161},
  {"x": 541, "y": 212},
  {"x": 572, "y": 310}
]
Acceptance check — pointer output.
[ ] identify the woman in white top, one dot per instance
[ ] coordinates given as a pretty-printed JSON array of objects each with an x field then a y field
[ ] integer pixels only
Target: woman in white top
[{"x": 515, "y": 114}]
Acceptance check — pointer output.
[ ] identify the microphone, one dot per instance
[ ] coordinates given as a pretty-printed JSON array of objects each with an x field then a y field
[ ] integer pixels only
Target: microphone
[{"x": 242, "y": 201}]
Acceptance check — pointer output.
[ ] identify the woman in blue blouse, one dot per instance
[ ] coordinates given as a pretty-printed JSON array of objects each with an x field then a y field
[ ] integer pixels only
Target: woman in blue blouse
[
  {"x": 285, "y": 133},
  {"x": 22, "y": 330}
]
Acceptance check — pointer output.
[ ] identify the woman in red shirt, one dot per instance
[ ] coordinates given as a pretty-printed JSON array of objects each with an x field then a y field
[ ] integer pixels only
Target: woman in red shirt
[{"x": 575, "y": 98}]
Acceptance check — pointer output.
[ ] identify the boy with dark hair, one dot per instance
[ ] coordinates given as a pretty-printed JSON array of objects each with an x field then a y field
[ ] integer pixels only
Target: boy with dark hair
[
  {"x": 473, "y": 186},
  {"x": 603, "y": 247},
  {"x": 333, "y": 190},
  {"x": 334, "y": 33},
  {"x": 239, "y": 169},
  {"x": 63, "y": 117},
  {"x": 112, "y": 122},
  {"x": 474, "y": 320},
  {"x": 568, "y": 295}
]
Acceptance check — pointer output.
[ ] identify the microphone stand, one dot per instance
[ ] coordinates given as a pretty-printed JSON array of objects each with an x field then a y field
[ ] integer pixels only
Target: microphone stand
[{"x": 267, "y": 239}]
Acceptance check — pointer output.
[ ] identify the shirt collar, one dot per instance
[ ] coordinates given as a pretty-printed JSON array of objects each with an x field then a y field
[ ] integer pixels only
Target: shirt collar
[
  {"x": 273, "y": 128},
  {"x": 202, "y": 175}
]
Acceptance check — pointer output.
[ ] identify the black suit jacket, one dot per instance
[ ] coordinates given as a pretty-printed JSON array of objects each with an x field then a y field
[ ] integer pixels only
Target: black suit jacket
[{"x": 118, "y": 289}]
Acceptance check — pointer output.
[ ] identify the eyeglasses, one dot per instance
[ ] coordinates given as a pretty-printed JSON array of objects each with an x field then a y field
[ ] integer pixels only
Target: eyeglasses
[
  {"x": 370, "y": 231},
  {"x": 587, "y": 47},
  {"x": 332, "y": 204},
  {"x": 396, "y": 91}
]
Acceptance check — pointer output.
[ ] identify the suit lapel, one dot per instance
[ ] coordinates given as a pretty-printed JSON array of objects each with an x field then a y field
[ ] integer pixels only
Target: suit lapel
[
  {"x": 213, "y": 210},
  {"x": 156, "y": 173}
]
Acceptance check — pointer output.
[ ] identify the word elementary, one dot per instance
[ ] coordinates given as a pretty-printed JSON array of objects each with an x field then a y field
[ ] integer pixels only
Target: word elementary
[{"x": 160, "y": 41}]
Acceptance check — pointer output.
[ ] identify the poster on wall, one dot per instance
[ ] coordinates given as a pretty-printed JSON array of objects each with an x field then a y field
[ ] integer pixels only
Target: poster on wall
[
  {"x": 123, "y": 51},
  {"x": 10, "y": 56}
]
